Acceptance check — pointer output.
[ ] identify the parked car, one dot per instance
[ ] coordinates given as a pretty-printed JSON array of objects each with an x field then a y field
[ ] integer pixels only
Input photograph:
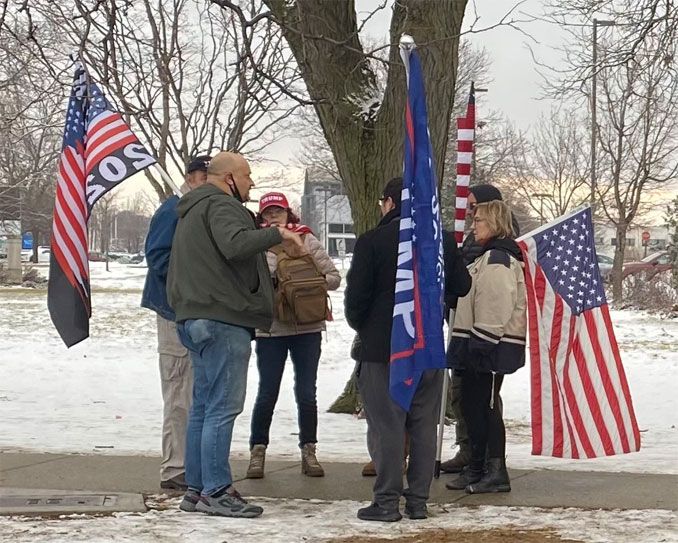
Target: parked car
[
  {"x": 651, "y": 265},
  {"x": 94, "y": 256},
  {"x": 605, "y": 266},
  {"x": 44, "y": 252}
]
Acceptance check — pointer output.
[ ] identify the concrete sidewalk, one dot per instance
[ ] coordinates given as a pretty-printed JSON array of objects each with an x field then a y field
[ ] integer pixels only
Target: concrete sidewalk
[{"x": 90, "y": 474}]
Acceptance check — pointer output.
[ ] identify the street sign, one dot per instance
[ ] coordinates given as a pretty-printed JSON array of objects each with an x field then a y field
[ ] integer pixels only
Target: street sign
[
  {"x": 646, "y": 236},
  {"x": 341, "y": 246}
]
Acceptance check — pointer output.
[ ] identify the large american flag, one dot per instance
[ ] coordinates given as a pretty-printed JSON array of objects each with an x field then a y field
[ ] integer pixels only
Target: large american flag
[
  {"x": 466, "y": 127},
  {"x": 98, "y": 152},
  {"x": 581, "y": 402}
]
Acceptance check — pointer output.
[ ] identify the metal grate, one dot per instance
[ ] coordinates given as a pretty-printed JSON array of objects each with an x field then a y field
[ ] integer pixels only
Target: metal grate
[{"x": 58, "y": 501}]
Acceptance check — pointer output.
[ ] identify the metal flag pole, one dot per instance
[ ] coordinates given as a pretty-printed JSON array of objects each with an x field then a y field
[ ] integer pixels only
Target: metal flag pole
[
  {"x": 165, "y": 176},
  {"x": 443, "y": 406}
]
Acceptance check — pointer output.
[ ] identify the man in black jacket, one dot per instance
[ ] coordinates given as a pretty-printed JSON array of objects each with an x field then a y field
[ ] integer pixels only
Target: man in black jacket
[{"x": 369, "y": 299}]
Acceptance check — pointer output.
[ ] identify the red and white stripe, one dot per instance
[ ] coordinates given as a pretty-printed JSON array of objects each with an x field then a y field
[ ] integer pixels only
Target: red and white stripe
[
  {"x": 581, "y": 402},
  {"x": 465, "y": 137},
  {"x": 69, "y": 226},
  {"x": 105, "y": 135}
]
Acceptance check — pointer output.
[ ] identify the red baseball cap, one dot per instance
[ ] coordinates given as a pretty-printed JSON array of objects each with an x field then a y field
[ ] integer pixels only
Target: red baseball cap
[{"x": 273, "y": 199}]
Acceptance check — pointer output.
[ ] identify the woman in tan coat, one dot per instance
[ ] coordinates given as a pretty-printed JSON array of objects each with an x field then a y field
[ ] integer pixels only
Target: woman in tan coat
[
  {"x": 487, "y": 343},
  {"x": 301, "y": 341}
]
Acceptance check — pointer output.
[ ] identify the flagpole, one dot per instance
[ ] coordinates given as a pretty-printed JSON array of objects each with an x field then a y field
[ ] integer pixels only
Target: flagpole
[{"x": 170, "y": 182}]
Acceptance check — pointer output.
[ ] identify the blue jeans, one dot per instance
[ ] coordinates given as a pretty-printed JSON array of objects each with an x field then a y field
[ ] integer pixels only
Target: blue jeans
[
  {"x": 220, "y": 354},
  {"x": 272, "y": 352}
]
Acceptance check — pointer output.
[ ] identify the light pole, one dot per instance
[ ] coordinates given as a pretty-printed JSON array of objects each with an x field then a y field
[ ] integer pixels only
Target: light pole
[
  {"x": 541, "y": 196},
  {"x": 325, "y": 189},
  {"x": 594, "y": 89}
]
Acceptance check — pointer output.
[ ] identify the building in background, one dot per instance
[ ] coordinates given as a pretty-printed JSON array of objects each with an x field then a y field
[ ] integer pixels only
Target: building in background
[
  {"x": 325, "y": 209},
  {"x": 641, "y": 240}
]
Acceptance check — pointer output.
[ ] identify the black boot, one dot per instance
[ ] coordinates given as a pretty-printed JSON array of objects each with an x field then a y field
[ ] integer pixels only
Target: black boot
[
  {"x": 471, "y": 474},
  {"x": 495, "y": 480}
]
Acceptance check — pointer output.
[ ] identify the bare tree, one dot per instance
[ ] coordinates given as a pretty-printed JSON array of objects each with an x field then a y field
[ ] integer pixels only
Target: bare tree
[
  {"x": 30, "y": 141},
  {"x": 185, "y": 74},
  {"x": 362, "y": 125},
  {"x": 639, "y": 25},
  {"x": 638, "y": 138},
  {"x": 550, "y": 169}
]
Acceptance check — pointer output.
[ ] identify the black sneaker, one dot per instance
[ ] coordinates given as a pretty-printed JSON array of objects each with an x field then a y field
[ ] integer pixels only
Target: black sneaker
[
  {"x": 378, "y": 513},
  {"x": 416, "y": 512},
  {"x": 228, "y": 503},
  {"x": 190, "y": 501},
  {"x": 176, "y": 483}
]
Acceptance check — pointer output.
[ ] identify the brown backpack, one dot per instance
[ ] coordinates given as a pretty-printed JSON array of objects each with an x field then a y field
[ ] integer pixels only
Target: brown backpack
[{"x": 301, "y": 290}]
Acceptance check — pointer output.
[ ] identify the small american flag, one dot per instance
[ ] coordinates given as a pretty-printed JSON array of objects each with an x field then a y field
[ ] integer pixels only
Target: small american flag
[
  {"x": 581, "y": 402},
  {"x": 466, "y": 127},
  {"x": 99, "y": 151}
]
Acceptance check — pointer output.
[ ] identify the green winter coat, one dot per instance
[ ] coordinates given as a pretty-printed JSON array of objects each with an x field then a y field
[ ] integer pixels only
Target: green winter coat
[{"x": 218, "y": 268}]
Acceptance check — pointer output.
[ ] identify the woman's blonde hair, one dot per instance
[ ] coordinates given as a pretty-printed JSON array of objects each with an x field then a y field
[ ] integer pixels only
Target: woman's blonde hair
[{"x": 498, "y": 217}]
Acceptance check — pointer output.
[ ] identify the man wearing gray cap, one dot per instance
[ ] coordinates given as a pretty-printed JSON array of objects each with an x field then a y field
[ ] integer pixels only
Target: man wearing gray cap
[{"x": 175, "y": 365}]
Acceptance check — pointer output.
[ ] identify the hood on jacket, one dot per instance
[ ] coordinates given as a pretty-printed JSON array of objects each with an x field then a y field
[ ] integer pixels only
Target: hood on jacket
[
  {"x": 189, "y": 200},
  {"x": 507, "y": 245}
]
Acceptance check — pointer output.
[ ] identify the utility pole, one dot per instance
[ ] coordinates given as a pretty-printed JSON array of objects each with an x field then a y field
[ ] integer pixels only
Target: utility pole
[
  {"x": 594, "y": 91},
  {"x": 479, "y": 124}
]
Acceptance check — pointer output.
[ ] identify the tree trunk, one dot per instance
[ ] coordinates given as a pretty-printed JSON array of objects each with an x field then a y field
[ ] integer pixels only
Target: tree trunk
[
  {"x": 363, "y": 127},
  {"x": 620, "y": 248}
]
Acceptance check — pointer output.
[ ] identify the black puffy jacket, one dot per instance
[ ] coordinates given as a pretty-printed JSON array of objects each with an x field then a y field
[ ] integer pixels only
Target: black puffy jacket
[{"x": 370, "y": 285}]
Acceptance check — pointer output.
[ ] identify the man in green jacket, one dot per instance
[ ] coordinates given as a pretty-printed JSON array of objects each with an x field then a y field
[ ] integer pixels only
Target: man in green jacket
[{"x": 220, "y": 289}]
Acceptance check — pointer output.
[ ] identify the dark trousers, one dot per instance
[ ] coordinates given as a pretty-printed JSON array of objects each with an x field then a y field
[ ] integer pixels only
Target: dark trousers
[
  {"x": 485, "y": 423},
  {"x": 304, "y": 349},
  {"x": 461, "y": 431},
  {"x": 387, "y": 424}
]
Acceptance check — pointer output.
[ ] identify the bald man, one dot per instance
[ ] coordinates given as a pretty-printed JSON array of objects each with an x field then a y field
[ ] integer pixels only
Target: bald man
[{"x": 220, "y": 289}]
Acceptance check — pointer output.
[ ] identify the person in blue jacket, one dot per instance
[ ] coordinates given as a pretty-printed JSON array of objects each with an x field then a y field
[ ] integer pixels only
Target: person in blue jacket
[{"x": 175, "y": 363}]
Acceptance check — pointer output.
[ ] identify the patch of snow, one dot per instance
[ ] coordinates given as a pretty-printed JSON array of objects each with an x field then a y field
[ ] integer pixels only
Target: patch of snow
[
  {"x": 104, "y": 394},
  {"x": 292, "y": 521}
]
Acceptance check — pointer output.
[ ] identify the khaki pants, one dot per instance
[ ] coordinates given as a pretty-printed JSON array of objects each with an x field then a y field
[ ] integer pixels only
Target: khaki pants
[{"x": 176, "y": 379}]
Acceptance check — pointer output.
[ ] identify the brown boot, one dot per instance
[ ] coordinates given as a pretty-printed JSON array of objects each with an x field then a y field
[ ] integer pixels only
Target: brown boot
[
  {"x": 309, "y": 463},
  {"x": 456, "y": 464},
  {"x": 369, "y": 470},
  {"x": 257, "y": 460}
]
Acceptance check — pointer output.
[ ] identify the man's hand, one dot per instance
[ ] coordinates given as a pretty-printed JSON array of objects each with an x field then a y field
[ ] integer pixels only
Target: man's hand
[{"x": 292, "y": 243}]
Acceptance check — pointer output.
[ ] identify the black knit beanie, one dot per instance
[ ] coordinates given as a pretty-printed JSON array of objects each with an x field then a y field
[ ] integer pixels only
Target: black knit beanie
[{"x": 485, "y": 193}]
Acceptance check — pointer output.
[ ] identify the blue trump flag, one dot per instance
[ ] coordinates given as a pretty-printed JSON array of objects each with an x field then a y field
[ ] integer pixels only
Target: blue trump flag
[{"x": 417, "y": 334}]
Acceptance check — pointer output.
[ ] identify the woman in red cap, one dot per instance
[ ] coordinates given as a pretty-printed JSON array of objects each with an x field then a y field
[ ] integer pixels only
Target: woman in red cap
[{"x": 301, "y": 341}]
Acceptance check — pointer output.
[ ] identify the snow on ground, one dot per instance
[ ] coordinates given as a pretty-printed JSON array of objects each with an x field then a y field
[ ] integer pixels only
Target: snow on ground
[
  {"x": 104, "y": 394},
  {"x": 292, "y": 521}
]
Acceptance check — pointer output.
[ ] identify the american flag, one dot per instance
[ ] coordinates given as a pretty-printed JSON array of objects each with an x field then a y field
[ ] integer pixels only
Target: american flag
[
  {"x": 99, "y": 151},
  {"x": 466, "y": 127},
  {"x": 581, "y": 402}
]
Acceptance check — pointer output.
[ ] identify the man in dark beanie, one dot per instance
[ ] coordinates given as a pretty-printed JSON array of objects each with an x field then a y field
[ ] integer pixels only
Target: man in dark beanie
[
  {"x": 369, "y": 301},
  {"x": 175, "y": 365}
]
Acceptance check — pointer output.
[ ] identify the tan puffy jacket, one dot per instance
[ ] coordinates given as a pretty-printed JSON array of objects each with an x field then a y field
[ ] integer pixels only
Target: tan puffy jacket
[
  {"x": 332, "y": 276},
  {"x": 490, "y": 322}
]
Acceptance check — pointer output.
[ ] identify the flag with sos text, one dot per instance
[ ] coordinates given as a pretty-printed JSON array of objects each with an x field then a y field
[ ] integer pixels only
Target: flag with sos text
[{"x": 98, "y": 152}]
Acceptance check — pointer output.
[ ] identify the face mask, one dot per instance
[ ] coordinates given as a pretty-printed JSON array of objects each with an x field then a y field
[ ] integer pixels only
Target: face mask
[{"x": 236, "y": 193}]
